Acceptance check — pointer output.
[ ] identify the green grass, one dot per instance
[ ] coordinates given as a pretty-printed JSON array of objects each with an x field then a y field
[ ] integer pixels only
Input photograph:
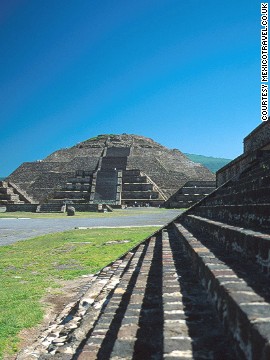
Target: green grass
[
  {"x": 29, "y": 268},
  {"x": 115, "y": 213}
]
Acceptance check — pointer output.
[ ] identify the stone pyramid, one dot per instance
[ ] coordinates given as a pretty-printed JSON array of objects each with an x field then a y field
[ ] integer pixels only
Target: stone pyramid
[{"x": 112, "y": 169}]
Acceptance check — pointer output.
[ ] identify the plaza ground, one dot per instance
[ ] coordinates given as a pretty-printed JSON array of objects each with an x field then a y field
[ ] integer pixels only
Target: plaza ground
[{"x": 21, "y": 226}]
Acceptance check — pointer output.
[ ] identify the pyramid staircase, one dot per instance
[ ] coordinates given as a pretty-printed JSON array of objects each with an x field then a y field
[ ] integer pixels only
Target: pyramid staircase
[
  {"x": 115, "y": 184},
  {"x": 107, "y": 180},
  {"x": 111, "y": 183}
]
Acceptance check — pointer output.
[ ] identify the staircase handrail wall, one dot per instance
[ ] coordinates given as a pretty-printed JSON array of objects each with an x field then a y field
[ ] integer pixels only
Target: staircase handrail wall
[
  {"x": 164, "y": 197},
  {"x": 22, "y": 193}
]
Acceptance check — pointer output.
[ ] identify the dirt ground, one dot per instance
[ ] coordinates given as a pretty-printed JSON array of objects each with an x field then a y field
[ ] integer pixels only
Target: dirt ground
[{"x": 54, "y": 304}]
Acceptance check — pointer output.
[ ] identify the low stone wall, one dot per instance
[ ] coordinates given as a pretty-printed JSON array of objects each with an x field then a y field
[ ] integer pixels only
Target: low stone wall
[
  {"x": 33, "y": 207},
  {"x": 85, "y": 207},
  {"x": 21, "y": 207}
]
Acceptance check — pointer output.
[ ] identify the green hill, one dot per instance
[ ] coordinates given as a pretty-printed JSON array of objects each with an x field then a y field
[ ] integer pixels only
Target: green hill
[{"x": 212, "y": 163}]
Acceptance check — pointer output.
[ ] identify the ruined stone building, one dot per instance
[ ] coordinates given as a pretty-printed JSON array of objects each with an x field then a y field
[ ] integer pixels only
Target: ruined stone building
[{"x": 110, "y": 169}]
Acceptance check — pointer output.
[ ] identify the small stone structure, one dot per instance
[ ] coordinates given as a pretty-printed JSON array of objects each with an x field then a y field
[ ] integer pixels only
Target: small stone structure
[
  {"x": 109, "y": 169},
  {"x": 190, "y": 193}
]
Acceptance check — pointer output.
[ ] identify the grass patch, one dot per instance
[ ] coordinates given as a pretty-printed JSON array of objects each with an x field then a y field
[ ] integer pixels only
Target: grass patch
[{"x": 29, "y": 268}]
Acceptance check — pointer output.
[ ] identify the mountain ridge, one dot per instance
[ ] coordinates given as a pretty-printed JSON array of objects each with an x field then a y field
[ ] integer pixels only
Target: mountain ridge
[{"x": 212, "y": 163}]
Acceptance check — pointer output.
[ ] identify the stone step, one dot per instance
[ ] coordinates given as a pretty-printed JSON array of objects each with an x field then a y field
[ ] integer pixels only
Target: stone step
[
  {"x": 249, "y": 245},
  {"x": 6, "y": 190},
  {"x": 201, "y": 183},
  {"x": 181, "y": 204},
  {"x": 251, "y": 185},
  {"x": 197, "y": 190},
  {"x": 80, "y": 174},
  {"x": 121, "y": 317},
  {"x": 191, "y": 325},
  {"x": 187, "y": 197},
  {"x": 252, "y": 216},
  {"x": 260, "y": 169},
  {"x": 242, "y": 306},
  {"x": 127, "y": 195},
  {"x": 148, "y": 317},
  {"x": 251, "y": 179},
  {"x": 143, "y": 202},
  {"x": 79, "y": 180},
  {"x": 133, "y": 172},
  {"x": 5, "y": 202},
  {"x": 137, "y": 187},
  {"x": 111, "y": 163},
  {"x": 51, "y": 207},
  {"x": 99, "y": 328},
  {"x": 259, "y": 196},
  {"x": 73, "y": 194},
  {"x": 68, "y": 201},
  {"x": 76, "y": 187},
  {"x": 118, "y": 152},
  {"x": 134, "y": 179},
  {"x": 11, "y": 197}
]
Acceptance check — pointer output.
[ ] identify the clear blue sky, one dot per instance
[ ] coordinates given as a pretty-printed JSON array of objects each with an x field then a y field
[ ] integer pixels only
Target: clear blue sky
[{"x": 185, "y": 73}]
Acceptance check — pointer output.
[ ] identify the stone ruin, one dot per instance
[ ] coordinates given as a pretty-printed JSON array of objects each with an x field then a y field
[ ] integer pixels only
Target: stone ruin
[
  {"x": 198, "y": 288},
  {"x": 190, "y": 194},
  {"x": 108, "y": 169}
]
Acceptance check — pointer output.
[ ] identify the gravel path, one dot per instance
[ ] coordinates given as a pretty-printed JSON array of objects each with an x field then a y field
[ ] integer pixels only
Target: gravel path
[{"x": 12, "y": 230}]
